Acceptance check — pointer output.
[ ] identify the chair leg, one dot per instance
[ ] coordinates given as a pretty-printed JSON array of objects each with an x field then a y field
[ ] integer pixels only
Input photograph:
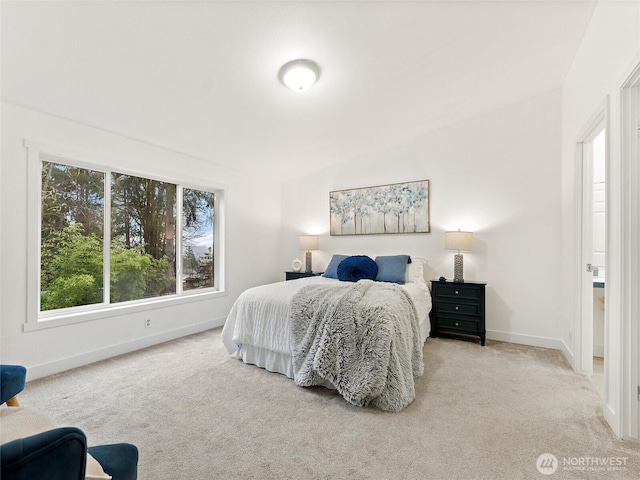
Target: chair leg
[{"x": 13, "y": 402}]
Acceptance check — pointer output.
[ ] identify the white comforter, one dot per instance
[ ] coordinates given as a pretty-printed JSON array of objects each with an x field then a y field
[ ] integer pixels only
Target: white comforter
[{"x": 260, "y": 316}]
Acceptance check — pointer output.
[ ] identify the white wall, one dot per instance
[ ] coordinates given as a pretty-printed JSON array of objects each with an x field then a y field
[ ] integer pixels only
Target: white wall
[
  {"x": 607, "y": 54},
  {"x": 498, "y": 175},
  {"x": 252, "y": 237}
]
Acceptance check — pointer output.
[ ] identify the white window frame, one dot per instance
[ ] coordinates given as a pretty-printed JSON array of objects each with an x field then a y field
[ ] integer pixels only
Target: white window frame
[{"x": 37, "y": 320}]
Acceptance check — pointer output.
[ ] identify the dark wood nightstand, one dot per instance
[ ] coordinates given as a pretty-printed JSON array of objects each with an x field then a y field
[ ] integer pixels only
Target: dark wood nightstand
[
  {"x": 295, "y": 275},
  {"x": 458, "y": 308}
]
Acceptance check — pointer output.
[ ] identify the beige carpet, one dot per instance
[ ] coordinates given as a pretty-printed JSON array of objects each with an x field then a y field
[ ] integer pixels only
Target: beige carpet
[{"x": 480, "y": 413}]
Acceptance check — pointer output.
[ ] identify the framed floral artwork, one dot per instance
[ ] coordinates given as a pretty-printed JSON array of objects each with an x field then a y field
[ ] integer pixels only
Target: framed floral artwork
[{"x": 394, "y": 208}]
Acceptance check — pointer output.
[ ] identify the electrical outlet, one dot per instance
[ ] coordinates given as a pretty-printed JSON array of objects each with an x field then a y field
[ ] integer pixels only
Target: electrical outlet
[{"x": 147, "y": 323}]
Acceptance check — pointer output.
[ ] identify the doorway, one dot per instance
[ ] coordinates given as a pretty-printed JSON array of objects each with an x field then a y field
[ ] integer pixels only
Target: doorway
[
  {"x": 630, "y": 312},
  {"x": 596, "y": 150},
  {"x": 593, "y": 256},
  {"x": 621, "y": 361}
]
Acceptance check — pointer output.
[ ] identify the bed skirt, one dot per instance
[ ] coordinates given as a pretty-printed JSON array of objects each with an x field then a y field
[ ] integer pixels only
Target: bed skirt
[
  {"x": 278, "y": 362},
  {"x": 267, "y": 359}
]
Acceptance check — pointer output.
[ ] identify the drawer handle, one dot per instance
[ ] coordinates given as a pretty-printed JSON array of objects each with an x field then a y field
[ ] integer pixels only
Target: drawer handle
[
  {"x": 457, "y": 324},
  {"x": 457, "y": 308},
  {"x": 456, "y": 292}
]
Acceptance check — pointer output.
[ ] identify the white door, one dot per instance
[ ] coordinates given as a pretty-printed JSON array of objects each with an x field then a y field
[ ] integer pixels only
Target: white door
[{"x": 593, "y": 234}]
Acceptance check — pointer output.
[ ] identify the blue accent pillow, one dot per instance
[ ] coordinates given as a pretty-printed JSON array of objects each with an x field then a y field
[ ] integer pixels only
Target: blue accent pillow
[
  {"x": 392, "y": 268},
  {"x": 357, "y": 267},
  {"x": 332, "y": 269}
]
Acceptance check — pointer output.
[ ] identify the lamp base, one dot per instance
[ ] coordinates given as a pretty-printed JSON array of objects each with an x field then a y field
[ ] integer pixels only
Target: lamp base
[
  {"x": 308, "y": 261},
  {"x": 457, "y": 268}
]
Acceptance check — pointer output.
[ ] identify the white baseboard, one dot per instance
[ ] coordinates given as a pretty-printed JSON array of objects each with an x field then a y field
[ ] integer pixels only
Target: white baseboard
[
  {"x": 598, "y": 350},
  {"x": 46, "y": 369},
  {"x": 531, "y": 340},
  {"x": 534, "y": 341},
  {"x": 612, "y": 419},
  {"x": 568, "y": 354}
]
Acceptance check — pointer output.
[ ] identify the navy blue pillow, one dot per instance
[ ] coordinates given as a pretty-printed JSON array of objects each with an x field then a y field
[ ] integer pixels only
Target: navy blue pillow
[
  {"x": 357, "y": 267},
  {"x": 392, "y": 268},
  {"x": 332, "y": 269}
]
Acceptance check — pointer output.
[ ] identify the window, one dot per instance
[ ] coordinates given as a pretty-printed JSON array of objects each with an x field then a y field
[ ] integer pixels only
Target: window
[
  {"x": 143, "y": 233},
  {"x": 197, "y": 239},
  {"x": 71, "y": 236},
  {"x": 109, "y": 238}
]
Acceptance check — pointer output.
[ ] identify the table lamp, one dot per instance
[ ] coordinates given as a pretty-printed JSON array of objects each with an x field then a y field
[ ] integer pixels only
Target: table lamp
[
  {"x": 308, "y": 243},
  {"x": 460, "y": 241}
]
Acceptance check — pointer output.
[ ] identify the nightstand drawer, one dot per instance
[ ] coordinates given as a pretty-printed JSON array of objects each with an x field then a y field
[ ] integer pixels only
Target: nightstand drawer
[
  {"x": 466, "y": 292},
  {"x": 462, "y": 308},
  {"x": 458, "y": 324}
]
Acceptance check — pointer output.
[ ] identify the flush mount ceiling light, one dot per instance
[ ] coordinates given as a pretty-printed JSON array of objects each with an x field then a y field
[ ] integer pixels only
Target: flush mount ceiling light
[{"x": 299, "y": 74}]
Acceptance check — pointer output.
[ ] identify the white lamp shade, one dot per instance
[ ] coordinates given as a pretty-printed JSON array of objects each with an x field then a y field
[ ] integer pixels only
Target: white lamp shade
[
  {"x": 308, "y": 242},
  {"x": 459, "y": 241},
  {"x": 299, "y": 75}
]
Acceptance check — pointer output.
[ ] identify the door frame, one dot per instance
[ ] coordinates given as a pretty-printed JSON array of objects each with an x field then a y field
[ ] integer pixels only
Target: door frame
[
  {"x": 630, "y": 308},
  {"x": 583, "y": 324}
]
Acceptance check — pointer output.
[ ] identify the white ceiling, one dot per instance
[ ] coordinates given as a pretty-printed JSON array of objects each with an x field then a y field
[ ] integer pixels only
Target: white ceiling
[{"x": 201, "y": 77}]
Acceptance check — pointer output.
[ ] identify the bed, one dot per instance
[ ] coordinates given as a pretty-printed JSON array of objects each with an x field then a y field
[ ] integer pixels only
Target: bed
[{"x": 260, "y": 328}]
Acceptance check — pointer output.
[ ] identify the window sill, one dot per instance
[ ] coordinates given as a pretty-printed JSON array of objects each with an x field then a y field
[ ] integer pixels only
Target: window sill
[{"x": 118, "y": 310}]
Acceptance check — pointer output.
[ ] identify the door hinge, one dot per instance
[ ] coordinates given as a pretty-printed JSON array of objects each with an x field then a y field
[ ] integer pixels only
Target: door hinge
[
  {"x": 589, "y": 268},
  {"x": 639, "y": 393}
]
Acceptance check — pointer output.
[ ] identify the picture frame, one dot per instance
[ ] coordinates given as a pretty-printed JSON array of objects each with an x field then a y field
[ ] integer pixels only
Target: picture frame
[{"x": 383, "y": 209}]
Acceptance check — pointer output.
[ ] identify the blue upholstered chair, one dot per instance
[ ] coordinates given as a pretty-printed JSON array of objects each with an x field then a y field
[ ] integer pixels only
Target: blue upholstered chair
[
  {"x": 58, "y": 454},
  {"x": 12, "y": 380}
]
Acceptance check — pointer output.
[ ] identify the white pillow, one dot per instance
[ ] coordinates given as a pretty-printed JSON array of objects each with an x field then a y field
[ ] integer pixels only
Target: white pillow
[
  {"x": 415, "y": 270},
  {"x": 20, "y": 422}
]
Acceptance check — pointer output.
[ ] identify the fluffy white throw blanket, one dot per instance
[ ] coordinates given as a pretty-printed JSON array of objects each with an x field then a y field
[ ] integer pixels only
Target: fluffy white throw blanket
[{"x": 363, "y": 337}]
